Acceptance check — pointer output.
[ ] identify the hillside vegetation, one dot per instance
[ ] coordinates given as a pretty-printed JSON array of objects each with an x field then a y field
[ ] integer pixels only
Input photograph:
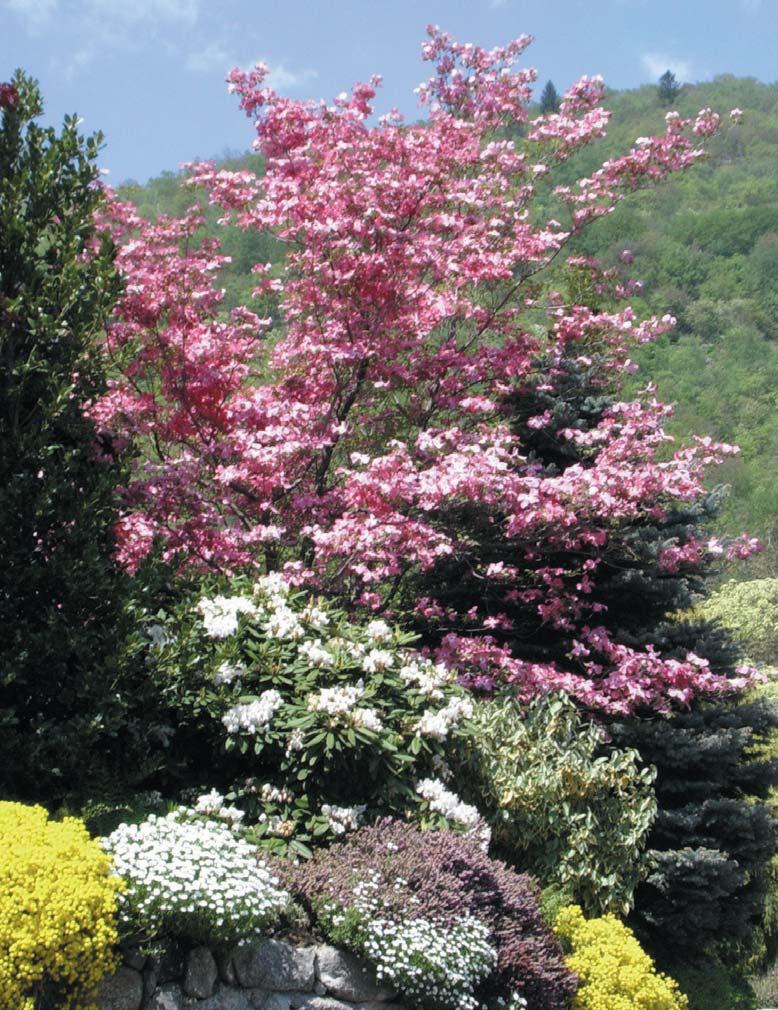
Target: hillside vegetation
[{"x": 706, "y": 249}]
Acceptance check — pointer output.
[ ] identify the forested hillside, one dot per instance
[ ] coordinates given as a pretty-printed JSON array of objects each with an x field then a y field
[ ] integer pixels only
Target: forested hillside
[{"x": 705, "y": 246}]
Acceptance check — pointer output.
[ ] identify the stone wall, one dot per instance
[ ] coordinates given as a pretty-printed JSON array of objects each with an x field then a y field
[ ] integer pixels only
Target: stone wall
[{"x": 265, "y": 975}]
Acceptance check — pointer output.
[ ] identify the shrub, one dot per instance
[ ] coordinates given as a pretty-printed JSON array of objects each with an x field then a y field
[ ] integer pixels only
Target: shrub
[
  {"x": 614, "y": 971},
  {"x": 58, "y": 908},
  {"x": 60, "y": 593},
  {"x": 391, "y": 884},
  {"x": 750, "y": 611},
  {"x": 319, "y": 721},
  {"x": 192, "y": 879},
  {"x": 562, "y": 809}
]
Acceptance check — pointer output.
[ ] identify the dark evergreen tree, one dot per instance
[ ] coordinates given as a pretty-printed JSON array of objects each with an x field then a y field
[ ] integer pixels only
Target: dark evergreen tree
[
  {"x": 60, "y": 597},
  {"x": 549, "y": 99},
  {"x": 714, "y": 836},
  {"x": 668, "y": 88}
]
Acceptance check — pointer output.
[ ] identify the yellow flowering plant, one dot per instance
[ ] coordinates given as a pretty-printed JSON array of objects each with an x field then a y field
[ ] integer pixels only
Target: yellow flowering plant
[
  {"x": 614, "y": 971},
  {"x": 58, "y": 910}
]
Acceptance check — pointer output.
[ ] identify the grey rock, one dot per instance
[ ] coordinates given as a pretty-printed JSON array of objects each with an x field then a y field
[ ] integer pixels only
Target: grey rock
[
  {"x": 349, "y": 977},
  {"x": 201, "y": 973},
  {"x": 317, "y": 1003},
  {"x": 150, "y": 979},
  {"x": 228, "y": 998},
  {"x": 226, "y": 968},
  {"x": 277, "y": 1001},
  {"x": 378, "y": 1006},
  {"x": 271, "y": 964},
  {"x": 121, "y": 991},
  {"x": 320, "y": 988},
  {"x": 168, "y": 997},
  {"x": 133, "y": 958}
]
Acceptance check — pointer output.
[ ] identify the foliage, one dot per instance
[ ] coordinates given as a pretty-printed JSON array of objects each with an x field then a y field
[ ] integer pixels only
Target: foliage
[
  {"x": 408, "y": 878},
  {"x": 319, "y": 720},
  {"x": 750, "y": 611},
  {"x": 711, "y": 986},
  {"x": 396, "y": 335},
  {"x": 192, "y": 879},
  {"x": 61, "y": 598},
  {"x": 714, "y": 837},
  {"x": 561, "y": 807},
  {"x": 613, "y": 970},
  {"x": 668, "y": 88},
  {"x": 58, "y": 910},
  {"x": 549, "y": 99}
]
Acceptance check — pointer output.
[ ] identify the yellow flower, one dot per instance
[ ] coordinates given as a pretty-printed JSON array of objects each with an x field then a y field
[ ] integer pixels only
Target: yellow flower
[
  {"x": 58, "y": 904},
  {"x": 614, "y": 971}
]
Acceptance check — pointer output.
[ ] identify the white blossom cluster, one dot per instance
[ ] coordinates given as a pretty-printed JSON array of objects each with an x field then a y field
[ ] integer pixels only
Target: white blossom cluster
[
  {"x": 377, "y": 660},
  {"x": 195, "y": 879},
  {"x": 343, "y": 819},
  {"x": 228, "y": 672},
  {"x": 443, "y": 801},
  {"x": 220, "y": 615},
  {"x": 429, "y": 962},
  {"x": 272, "y": 794},
  {"x": 340, "y": 702},
  {"x": 427, "y": 677},
  {"x": 379, "y": 631},
  {"x": 315, "y": 653},
  {"x": 252, "y": 716},
  {"x": 213, "y": 804},
  {"x": 438, "y": 723}
]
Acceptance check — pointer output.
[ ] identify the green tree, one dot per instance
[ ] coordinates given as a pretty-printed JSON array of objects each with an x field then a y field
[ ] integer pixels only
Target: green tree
[
  {"x": 668, "y": 88},
  {"x": 549, "y": 99},
  {"x": 60, "y": 598}
]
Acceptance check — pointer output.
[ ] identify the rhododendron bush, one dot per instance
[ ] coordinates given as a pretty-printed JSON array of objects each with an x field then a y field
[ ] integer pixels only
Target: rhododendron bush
[{"x": 327, "y": 432}]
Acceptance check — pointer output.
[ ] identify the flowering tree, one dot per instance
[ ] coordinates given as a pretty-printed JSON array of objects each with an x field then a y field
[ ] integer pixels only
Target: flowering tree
[{"x": 329, "y": 433}]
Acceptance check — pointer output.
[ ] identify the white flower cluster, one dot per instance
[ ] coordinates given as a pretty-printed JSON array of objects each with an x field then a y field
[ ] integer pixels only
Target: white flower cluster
[
  {"x": 443, "y": 801},
  {"x": 431, "y": 963},
  {"x": 252, "y": 716},
  {"x": 428, "y": 677},
  {"x": 438, "y": 723},
  {"x": 220, "y": 615},
  {"x": 341, "y": 701},
  {"x": 272, "y": 794},
  {"x": 379, "y": 631},
  {"x": 315, "y": 653},
  {"x": 377, "y": 660},
  {"x": 336, "y": 700},
  {"x": 343, "y": 819},
  {"x": 213, "y": 804},
  {"x": 228, "y": 672},
  {"x": 195, "y": 879}
]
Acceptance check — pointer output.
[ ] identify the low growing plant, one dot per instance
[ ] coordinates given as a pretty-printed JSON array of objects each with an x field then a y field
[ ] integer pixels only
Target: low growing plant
[
  {"x": 193, "y": 879},
  {"x": 58, "y": 910},
  {"x": 613, "y": 970},
  {"x": 446, "y": 925}
]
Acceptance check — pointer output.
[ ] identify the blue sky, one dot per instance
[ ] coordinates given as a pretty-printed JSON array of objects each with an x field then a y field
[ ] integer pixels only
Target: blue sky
[{"x": 150, "y": 73}]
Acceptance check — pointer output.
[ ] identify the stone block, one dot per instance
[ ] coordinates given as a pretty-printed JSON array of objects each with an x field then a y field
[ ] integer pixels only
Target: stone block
[
  {"x": 121, "y": 991},
  {"x": 200, "y": 974},
  {"x": 273, "y": 965},
  {"x": 348, "y": 977}
]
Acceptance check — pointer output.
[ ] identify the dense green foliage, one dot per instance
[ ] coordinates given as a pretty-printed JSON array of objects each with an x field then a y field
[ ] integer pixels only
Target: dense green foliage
[
  {"x": 564, "y": 810},
  {"x": 750, "y": 611},
  {"x": 60, "y": 597}
]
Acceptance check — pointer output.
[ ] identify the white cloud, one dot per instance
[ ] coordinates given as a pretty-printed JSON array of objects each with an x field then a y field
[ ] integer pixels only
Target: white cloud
[
  {"x": 128, "y": 12},
  {"x": 35, "y": 13},
  {"x": 212, "y": 58},
  {"x": 283, "y": 79},
  {"x": 655, "y": 65}
]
